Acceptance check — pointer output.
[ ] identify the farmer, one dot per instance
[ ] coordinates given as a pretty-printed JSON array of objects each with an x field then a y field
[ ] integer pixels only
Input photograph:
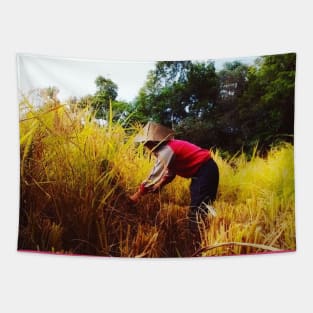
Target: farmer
[{"x": 178, "y": 157}]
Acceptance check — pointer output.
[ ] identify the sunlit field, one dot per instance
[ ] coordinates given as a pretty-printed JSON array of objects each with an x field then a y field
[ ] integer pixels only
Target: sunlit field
[{"x": 76, "y": 177}]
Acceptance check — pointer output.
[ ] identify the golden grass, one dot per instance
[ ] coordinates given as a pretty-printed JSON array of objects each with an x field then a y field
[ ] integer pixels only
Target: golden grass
[{"x": 76, "y": 177}]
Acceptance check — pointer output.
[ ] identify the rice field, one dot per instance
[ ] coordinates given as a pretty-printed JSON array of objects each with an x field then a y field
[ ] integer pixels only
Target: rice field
[{"x": 76, "y": 176}]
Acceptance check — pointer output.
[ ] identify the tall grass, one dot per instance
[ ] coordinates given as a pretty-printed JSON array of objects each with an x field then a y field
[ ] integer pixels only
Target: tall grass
[{"x": 76, "y": 178}]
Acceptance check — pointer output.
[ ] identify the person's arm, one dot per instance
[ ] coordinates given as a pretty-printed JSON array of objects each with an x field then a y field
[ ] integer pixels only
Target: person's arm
[
  {"x": 167, "y": 177},
  {"x": 160, "y": 174}
]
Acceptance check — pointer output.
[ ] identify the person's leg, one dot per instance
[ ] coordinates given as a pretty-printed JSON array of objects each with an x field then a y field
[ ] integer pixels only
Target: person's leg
[
  {"x": 209, "y": 179},
  {"x": 203, "y": 189}
]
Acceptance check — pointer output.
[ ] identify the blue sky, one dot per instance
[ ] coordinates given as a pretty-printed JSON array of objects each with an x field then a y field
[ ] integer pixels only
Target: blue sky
[{"x": 75, "y": 77}]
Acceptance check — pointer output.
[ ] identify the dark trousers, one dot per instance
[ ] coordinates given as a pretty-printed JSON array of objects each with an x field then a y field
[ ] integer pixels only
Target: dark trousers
[{"x": 203, "y": 188}]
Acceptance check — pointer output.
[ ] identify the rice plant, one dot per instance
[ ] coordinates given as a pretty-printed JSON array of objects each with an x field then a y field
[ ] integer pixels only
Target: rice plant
[{"x": 76, "y": 177}]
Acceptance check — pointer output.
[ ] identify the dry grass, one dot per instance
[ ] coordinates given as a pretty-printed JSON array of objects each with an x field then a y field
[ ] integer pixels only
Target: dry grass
[{"x": 76, "y": 178}]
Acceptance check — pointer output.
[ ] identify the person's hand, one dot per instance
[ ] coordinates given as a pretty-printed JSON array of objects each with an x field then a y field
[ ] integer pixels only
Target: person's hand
[{"x": 135, "y": 197}]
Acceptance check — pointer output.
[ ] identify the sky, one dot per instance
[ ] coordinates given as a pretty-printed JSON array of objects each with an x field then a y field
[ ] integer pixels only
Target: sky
[{"x": 76, "y": 77}]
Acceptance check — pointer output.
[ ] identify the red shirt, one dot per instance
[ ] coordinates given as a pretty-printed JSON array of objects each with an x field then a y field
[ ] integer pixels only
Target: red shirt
[
  {"x": 176, "y": 157},
  {"x": 187, "y": 157}
]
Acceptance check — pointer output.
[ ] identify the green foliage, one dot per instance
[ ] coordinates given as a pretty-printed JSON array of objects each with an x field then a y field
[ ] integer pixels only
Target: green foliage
[
  {"x": 254, "y": 105},
  {"x": 175, "y": 90},
  {"x": 232, "y": 109},
  {"x": 266, "y": 108},
  {"x": 106, "y": 92}
]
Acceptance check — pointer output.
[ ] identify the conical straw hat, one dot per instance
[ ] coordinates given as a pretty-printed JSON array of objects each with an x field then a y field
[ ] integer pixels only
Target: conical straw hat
[{"x": 154, "y": 132}]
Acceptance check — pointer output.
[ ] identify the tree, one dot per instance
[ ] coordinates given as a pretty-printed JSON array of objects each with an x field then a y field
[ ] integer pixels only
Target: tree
[
  {"x": 233, "y": 109},
  {"x": 178, "y": 89},
  {"x": 121, "y": 111},
  {"x": 106, "y": 92},
  {"x": 266, "y": 108},
  {"x": 278, "y": 73},
  {"x": 102, "y": 99},
  {"x": 233, "y": 79},
  {"x": 161, "y": 96}
]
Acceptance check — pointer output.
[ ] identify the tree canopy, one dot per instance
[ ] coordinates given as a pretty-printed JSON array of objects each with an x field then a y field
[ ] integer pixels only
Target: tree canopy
[
  {"x": 105, "y": 95},
  {"x": 177, "y": 90},
  {"x": 233, "y": 108}
]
